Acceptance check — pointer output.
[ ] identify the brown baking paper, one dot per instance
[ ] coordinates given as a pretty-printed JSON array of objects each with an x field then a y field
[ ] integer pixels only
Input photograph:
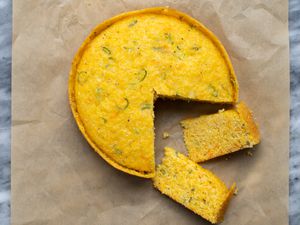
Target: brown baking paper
[{"x": 58, "y": 179}]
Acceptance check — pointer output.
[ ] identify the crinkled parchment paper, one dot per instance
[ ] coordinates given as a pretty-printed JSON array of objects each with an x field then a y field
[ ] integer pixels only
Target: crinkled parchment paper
[{"x": 56, "y": 176}]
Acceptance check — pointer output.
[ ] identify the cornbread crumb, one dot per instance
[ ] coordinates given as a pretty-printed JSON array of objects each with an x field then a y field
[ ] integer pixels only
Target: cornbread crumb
[
  {"x": 236, "y": 191},
  {"x": 249, "y": 153},
  {"x": 228, "y": 157},
  {"x": 218, "y": 134},
  {"x": 166, "y": 135},
  {"x": 191, "y": 185}
]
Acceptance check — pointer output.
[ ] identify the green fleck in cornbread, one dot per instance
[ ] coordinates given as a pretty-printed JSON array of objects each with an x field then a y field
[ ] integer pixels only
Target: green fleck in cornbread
[{"x": 191, "y": 185}]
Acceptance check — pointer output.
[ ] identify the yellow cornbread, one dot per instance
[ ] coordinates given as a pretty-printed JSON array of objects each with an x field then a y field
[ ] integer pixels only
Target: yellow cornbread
[
  {"x": 129, "y": 60},
  {"x": 191, "y": 185},
  {"x": 210, "y": 136}
]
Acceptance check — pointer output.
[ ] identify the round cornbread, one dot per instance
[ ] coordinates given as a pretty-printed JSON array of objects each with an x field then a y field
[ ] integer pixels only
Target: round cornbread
[{"x": 128, "y": 61}]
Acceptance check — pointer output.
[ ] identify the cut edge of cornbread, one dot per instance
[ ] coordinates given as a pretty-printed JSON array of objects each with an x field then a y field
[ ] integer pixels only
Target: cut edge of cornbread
[
  {"x": 251, "y": 131},
  {"x": 219, "y": 209}
]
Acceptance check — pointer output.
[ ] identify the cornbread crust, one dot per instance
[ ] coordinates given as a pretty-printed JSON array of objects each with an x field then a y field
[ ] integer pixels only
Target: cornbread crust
[
  {"x": 225, "y": 204},
  {"x": 95, "y": 33},
  {"x": 247, "y": 116},
  {"x": 178, "y": 188},
  {"x": 204, "y": 143}
]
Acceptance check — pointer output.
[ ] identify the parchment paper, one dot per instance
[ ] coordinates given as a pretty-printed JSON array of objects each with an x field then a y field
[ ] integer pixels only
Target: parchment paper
[{"x": 56, "y": 176}]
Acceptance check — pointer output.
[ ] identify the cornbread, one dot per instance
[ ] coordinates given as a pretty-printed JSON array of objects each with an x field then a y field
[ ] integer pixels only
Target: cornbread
[
  {"x": 166, "y": 135},
  {"x": 131, "y": 59},
  {"x": 191, "y": 185},
  {"x": 210, "y": 136}
]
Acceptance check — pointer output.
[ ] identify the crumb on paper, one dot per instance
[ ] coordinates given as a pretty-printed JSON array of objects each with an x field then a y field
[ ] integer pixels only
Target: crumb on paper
[
  {"x": 249, "y": 153},
  {"x": 166, "y": 135},
  {"x": 228, "y": 157},
  {"x": 236, "y": 191},
  {"x": 221, "y": 110}
]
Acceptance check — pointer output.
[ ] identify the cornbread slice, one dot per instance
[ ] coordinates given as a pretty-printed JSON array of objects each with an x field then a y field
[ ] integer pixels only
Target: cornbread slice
[
  {"x": 129, "y": 60},
  {"x": 210, "y": 136},
  {"x": 191, "y": 185}
]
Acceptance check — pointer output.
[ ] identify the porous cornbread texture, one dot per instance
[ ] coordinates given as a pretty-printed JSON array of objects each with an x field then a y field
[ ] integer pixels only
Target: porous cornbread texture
[
  {"x": 191, "y": 185},
  {"x": 210, "y": 136},
  {"x": 130, "y": 60}
]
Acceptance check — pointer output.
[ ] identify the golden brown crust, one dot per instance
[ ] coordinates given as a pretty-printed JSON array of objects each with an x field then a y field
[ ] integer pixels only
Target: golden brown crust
[
  {"x": 97, "y": 31},
  {"x": 226, "y": 203},
  {"x": 247, "y": 116}
]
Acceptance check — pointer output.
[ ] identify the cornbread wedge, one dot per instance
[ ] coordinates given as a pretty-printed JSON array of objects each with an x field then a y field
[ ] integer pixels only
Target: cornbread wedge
[
  {"x": 214, "y": 135},
  {"x": 191, "y": 185},
  {"x": 128, "y": 61}
]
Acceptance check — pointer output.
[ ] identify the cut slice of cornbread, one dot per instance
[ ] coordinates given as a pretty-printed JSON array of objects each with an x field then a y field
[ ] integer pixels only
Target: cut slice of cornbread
[
  {"x": 210, "y": 136},
  {"x": 191, "y": 185}
]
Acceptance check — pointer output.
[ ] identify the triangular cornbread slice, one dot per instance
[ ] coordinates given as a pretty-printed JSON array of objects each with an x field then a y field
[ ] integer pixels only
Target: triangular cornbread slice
[
  {"x": 191, "y": 185},
  {"x": 214, "y": 135},
  {"x": 126, "y": 63}
]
